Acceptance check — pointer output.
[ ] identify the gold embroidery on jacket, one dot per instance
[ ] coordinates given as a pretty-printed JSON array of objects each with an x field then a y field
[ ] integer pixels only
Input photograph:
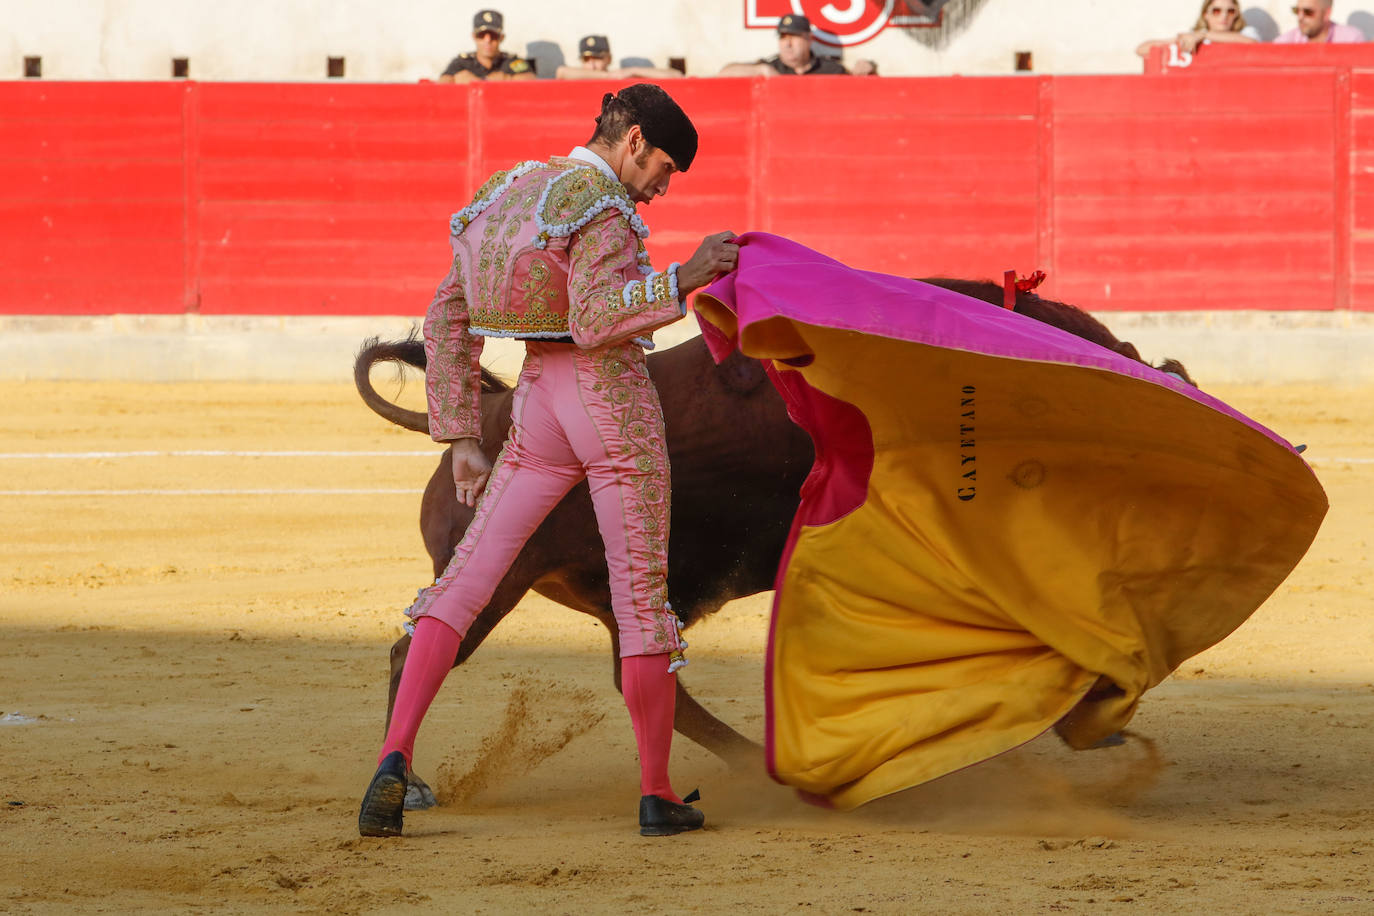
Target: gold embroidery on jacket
[
  {"x": 573, "y": 193},
  {"x": 497, "y": 306},
  {"x": 539, "y": 294},
  {"x": 509, "y": 299},
  {"x": 455, "y": 405},
  {"x": 497, "y": 235}
]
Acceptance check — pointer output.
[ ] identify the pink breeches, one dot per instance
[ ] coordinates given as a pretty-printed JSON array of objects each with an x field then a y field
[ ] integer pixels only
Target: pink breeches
[{"x": 577, "y": 414}]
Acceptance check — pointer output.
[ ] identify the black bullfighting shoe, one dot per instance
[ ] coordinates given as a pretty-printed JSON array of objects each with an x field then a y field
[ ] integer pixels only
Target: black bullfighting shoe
[
  {"x": 660, "y": 817},
  {"x": 385, "y": 800}
]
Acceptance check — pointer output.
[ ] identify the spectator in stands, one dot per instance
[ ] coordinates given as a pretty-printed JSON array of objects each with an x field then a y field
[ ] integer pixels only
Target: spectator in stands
[
  {"x": 795, "y": 58},
  {"x": 595, "y": 51},
  {"x": 1219, "y": 22},
  {"x": 1315, "y": 26},
  {"x": 488, "y": 62}
]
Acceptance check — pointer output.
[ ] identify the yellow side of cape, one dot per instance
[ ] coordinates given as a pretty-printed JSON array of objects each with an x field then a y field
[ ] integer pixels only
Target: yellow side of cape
[{"x": 1029, "y": 528}]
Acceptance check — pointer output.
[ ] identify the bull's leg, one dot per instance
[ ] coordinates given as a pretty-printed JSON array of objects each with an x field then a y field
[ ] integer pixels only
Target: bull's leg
[
  {"x": 418, "y": 793},
  {"x": 692, "y": 721}
]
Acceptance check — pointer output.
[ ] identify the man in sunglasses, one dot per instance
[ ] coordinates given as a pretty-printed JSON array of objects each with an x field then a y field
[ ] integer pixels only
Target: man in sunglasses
[
  {"x": 1315, "y": 26},
  {"x": 488, "y": 62}
]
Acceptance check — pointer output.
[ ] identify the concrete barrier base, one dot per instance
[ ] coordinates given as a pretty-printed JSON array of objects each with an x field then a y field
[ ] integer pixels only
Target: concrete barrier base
[{"x": 1217, "y": 347}]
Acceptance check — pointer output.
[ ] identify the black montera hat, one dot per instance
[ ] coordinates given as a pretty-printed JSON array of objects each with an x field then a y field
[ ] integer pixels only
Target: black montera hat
[
  {"x": 488, "y": 21},
  {"x": 594, "y": 46},
  {"x": 794, "y": 24},
  {"x": 662, "y": 121}
]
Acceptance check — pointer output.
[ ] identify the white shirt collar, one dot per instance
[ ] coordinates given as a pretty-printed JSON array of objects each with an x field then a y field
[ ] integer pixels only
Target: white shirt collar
[{"x": 582, "y": 154}]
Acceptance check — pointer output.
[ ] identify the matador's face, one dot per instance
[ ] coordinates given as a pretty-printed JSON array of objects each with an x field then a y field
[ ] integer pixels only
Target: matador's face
[{"x": 647, "y": 171}]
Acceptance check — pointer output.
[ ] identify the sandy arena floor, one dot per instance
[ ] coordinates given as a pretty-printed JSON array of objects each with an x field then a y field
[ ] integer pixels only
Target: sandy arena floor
[{"x": 194, "y": 684}]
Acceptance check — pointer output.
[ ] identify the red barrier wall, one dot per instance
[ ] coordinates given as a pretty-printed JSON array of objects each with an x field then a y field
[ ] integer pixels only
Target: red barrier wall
[{"x": 1197, "y": 190}]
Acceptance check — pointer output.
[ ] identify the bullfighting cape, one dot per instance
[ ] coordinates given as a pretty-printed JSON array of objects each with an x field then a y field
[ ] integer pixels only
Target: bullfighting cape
[{"x": 1006, "y": 527}]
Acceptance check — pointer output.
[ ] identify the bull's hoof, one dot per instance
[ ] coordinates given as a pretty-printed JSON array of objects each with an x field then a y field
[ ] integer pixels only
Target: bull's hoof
[
  {"x": 383, "y": 806},
  {"x": 419, "y": 795},
  {"x": 660, "y": 817}
]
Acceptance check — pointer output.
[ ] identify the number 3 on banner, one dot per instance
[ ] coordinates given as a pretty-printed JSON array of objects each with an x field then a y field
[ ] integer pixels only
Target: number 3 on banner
[{"x": 844, "y": 16}]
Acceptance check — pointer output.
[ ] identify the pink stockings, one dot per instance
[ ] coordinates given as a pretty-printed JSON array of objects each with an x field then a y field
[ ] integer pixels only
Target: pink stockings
[
  {"x": 650, "y": 695},
  {"x": 650, "y": 691},
  {"x": 433, "y": 649}
]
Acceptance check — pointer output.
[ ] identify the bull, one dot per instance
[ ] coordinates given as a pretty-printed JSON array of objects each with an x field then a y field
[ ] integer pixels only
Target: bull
[{"x": 738, "y": 464}]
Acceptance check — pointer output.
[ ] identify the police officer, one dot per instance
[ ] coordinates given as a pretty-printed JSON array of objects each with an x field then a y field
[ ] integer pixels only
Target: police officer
[
  {"x": 595, "y": 54},
  {"x": 488, "y": 62},
  {"x": 794, "y": 57}
]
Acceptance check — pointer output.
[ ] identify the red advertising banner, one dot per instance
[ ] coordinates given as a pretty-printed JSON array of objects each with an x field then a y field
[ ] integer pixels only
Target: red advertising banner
[{"x": 842, "y": 23}]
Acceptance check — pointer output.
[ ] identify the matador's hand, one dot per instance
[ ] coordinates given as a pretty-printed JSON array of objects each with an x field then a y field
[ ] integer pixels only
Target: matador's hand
[
  {"x": 717, "y": 254},
  {"x": 470, "y": 471}
]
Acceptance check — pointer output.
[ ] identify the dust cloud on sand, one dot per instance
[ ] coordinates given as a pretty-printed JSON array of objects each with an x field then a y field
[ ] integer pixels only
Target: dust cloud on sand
[
  {"x": 194, "y": 664},
  {"x": 539, "y": 721}
]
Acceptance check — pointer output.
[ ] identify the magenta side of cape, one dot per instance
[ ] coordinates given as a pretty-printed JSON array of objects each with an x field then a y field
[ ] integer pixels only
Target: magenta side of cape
[
  {"x": 777, "y": 277},
  {"x": 780, "y": 278}
]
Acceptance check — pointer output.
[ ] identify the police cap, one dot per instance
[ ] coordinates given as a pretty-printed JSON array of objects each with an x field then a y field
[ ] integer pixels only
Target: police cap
[
  {"x": 794, "y": 24},
  {"x": 594, "y": 46},
  {"x": 489, "y": 21}
]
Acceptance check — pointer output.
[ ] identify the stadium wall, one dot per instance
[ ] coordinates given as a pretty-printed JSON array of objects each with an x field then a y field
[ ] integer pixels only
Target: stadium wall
[{"x": 1188, "y": 203}]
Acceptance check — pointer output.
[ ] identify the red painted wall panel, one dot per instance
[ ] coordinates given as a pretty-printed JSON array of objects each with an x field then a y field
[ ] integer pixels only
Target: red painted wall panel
[
  {"x": 326, "y": 198},
  {"x": 1211, "y": 189},
  {"x": 91, "y": 197},
  {"x": 900, "y": 178},
  {"x": 52, "y": 140},
  {"x": 1361, "y": 167},
  {"x": 58, "y": 179},
  {"x": 1216, "y": 92},
  {"x": 87, "y": 294}
]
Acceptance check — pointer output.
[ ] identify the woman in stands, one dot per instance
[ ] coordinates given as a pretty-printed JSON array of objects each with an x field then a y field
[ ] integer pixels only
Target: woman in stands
[{"x": 1219, "y": 21}]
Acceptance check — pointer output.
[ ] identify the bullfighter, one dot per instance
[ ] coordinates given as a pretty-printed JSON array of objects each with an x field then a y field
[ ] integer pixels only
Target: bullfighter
[{"x": 553, "y": 253}]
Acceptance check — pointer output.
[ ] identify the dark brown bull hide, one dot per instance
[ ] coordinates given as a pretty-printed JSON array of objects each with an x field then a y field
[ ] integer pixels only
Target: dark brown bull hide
[{"x": 737, "y": 461}]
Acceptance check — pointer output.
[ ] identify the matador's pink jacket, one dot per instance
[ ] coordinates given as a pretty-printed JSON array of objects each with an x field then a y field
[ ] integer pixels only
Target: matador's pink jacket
[{"x": 547, "y": 250}]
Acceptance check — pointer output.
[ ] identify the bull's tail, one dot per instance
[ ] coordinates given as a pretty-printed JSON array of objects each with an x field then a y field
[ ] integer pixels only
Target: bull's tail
[{"x": 408, "y": 352}]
